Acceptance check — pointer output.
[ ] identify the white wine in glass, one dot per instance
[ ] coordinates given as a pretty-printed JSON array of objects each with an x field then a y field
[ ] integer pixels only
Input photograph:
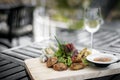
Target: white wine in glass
[
  {"x": 92, "y": 25},
  {"x": 92, "y": 21}
]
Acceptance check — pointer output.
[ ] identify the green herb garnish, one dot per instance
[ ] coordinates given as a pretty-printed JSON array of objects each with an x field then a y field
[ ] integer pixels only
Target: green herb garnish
[{"x": 62, "y": 55}]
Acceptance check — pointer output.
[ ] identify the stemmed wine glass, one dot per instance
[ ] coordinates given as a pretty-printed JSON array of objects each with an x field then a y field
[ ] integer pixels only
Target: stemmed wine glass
[{"x": 92, "y": 21}]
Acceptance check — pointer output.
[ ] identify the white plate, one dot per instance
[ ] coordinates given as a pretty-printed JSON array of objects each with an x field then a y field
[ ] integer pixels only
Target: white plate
[{"x": 96, "y": 54}]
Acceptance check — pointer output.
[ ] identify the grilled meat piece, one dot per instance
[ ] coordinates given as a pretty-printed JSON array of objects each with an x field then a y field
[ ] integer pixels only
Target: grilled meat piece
[
  {"x": 51, "y": 61},
  {"x": 59, "y": 67},
  {"x": 77, "y": 66}
]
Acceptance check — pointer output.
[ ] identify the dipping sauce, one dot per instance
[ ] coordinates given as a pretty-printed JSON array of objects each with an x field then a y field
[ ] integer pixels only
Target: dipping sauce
[{"x": 102, "y": 59}]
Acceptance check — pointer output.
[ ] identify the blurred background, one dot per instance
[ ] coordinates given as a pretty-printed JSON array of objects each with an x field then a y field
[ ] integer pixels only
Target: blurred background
[{"x": 25, "y": 21}]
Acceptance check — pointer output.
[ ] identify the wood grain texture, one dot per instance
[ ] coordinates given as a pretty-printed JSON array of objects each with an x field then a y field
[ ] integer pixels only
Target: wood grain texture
[{"x": 39, "y": 71}]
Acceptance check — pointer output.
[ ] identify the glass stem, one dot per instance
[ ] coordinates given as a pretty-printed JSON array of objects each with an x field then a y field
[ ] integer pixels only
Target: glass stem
[{"x": 91, "y": 41}]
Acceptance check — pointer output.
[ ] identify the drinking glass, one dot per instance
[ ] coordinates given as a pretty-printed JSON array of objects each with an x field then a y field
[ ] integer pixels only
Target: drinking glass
[{"x": 92, "y": 21}]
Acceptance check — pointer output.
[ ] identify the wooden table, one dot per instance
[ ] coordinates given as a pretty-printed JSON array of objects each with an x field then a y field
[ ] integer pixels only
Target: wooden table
[{"x": 12, "y": 60}]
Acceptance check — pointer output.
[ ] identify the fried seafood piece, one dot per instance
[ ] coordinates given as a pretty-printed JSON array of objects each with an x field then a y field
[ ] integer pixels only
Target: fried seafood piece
[
  {"x": 77, "y": 66},
  {"x": 51, "y": 61},
  {"x": 83, "y": 54},
  {"x": 76, "y": 60},
  {"x": 60, "y": 67}
]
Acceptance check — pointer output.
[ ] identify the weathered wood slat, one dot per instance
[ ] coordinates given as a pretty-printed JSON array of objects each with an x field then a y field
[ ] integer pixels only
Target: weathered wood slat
[
  {"x": 83, "y": 34},
  {"x": 16, "y": 55},
  {"x": 108, "y": 49},
  {"x": 116, "y": 46},
  {"x": 24, "y": 52},
  {"x": 84, "y": 40},
  {"x": 107, "y": 41},
  {"x": 101, "y": 34},
  {"x": 1, "y": 58},
  {"x": 42, "y": 44},
  {"x": 35, "y": 46},
  {"x": 12, "y": 59},
  {"x": 98, "y": 38},
  {"x": 113, "y": 49},
  {"x": 8, "y": 71},
  {"x": 16, "y": 76},
  {"x": 8, "y": 66},
  {"x": 32, "y": 50},
  {"x": 4, "y": 62},
  {"x": 11, "y": 72},
  {"x": 25, "y": 78},
  {"x": 116, "y": 42},
  {"x": 104, "y": 37},
  {"x": 111, "y": 44}
]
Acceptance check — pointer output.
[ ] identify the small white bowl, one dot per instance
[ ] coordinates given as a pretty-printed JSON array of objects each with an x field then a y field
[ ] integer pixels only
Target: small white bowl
[{"x": 91, "y": 58}]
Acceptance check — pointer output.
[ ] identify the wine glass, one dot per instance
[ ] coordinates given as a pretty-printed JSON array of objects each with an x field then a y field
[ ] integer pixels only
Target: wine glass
[{"x": 92, "y": 21}]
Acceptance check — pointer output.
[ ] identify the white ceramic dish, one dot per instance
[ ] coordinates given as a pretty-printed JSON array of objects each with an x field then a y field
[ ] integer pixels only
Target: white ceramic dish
[{"x": 95, "y": 54}]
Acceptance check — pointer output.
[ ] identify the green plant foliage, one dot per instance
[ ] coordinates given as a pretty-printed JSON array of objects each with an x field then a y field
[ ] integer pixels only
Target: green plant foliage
[{"x": 77, "y": 25}]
